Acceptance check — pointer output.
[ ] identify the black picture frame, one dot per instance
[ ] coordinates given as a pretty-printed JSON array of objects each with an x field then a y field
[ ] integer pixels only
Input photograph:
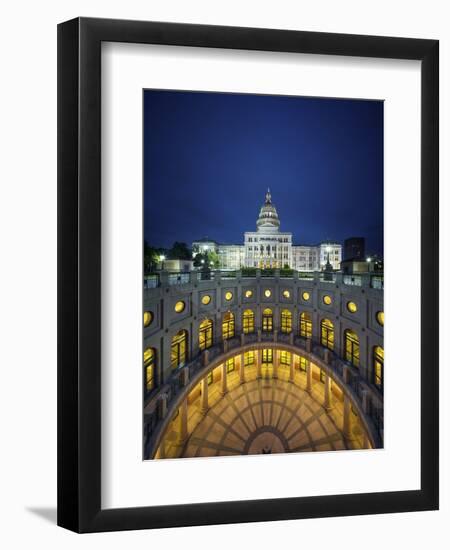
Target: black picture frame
[{"x": 79, "y": 274}]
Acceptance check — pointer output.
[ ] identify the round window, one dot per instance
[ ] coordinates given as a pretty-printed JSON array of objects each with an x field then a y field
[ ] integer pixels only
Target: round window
[
  {"x": 228, "y": 296},
  {"x": 206, "y": 299},
  {"x": 380, "y": 318},
  {"x": 327, "y": 300},
  {"x": 286, "y": 294},
  {"x": 306, "y": 296},
  {"x": 248, "y": 293},
  {"x": 267, "y": 293},
  {"x": 148, "y": 318},
  {"x": 179, "y": 306},
  {"x": 352, "y": 307}
]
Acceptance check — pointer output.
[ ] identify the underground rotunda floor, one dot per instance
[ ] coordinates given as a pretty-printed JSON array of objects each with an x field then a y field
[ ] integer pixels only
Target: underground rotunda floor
[{"x": 265, "y": 416}]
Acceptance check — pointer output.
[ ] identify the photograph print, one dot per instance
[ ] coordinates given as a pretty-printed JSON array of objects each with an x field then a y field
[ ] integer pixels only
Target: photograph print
[{"x": 263, "y": 274}]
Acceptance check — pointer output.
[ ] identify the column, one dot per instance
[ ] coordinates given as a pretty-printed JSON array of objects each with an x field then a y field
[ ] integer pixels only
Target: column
[
  {"x": 162, "y": 406},
  {"x": 242, "y": 370},
  {"x": 309, "y": 377},
  {"x": 162, "y": 449},
  {"x": 223, "y": 388},
  {"x": 346, "y": 423},
  {"x": 291, "y": 369},
  {"x": 204, "y": 405},
  {"x": 275, "y": 363},
  {"x": 365, "y": 402},
  {"x": 183, "y": 422},
  {"x": 366, "y": 443},
  {"x": 327, "y": 397},
  {"x": 346, "y": 374},
  {"x": 258, "y": 363}
]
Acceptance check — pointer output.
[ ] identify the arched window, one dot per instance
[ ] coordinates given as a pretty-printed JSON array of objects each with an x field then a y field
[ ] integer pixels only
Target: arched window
[
  {"x": 267, "y": 320},
  {"x": 149, "y": 369},
  {"x": 248, "y": 321},
  {"x": 286, "y": 321},
  {"x": 327, "y": 333},
  {"x": 351, "y": 347},
  {"x": 178, "y": 349},
  {"x": 378, "y": 366},
  {"x": 228, "y": 325},
  {"x": 205, "y": 334},
  {"x": 305, "y": 325}
]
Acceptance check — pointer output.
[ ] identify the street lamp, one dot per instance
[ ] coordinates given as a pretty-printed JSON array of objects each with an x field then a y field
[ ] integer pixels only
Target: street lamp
[{"x": 161, "y": 259}]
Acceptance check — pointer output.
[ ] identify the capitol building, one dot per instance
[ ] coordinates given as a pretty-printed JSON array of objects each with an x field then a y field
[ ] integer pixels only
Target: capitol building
[{"x": 268, "y": 247}]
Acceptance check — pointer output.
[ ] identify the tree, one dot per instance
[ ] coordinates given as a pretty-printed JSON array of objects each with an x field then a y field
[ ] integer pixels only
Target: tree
[
  {"x": 180, "y": 251},
  {"x": 207, "y": 260},
  {"x": 151, "y": 257}
]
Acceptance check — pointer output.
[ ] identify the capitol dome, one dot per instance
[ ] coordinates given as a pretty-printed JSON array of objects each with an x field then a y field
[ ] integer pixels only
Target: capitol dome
[{"x": 268, "y": 217}]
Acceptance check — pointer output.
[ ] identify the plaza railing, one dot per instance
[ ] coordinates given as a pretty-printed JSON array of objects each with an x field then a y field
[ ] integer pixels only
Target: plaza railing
[{"x": 162, "y": 278}]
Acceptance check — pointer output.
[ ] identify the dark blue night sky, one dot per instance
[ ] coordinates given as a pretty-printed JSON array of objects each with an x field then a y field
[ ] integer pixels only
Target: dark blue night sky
[{"x": 210, "y": 157}]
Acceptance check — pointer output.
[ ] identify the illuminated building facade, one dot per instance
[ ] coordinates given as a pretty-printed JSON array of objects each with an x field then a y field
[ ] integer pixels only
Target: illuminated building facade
[{"x": 268, "y": 247}]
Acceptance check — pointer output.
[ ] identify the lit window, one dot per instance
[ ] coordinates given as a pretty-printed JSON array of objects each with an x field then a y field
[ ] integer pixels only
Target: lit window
[
  {"x": 380, "y": 318},
  {"x": 305, "y": 325},
  {"x": 149, "y": 368},
  {"x": 267, "y": 356},
  {"x": 378, "y": 366},
  {"x": 352, "y": 307},
  {"x": 286, "y": 321},
  {"x": 230, "y": 364},
  {"x": 205, "y": 334},
  {"x": 248, "y": 321},
  {"x": 248, "y": 293},
  {"x": 178, "y": 349},
  {"x": 206, "y": 299},
  {"x": 285, "y": 358},
  {"x": 327, "y": 300},
  {"x": 306, "y": 296},
  {"x": 210, "y": 378},
  {"x": 228, "y": 296},
  {"x": 179, "y": 307},
  {"x": 249, "y": 358},
  {"x": 267, "y": 293},
  {"x": 351, "y": 347},
  {"x": 267, "y": 320},
  {"x": 303, "y": 364},
  {"x": 286, "y": 294},
  {"x": 228, "y": 326},
  {"x": 148, "y": 318},
  {"x": 327, "y": 334}
]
